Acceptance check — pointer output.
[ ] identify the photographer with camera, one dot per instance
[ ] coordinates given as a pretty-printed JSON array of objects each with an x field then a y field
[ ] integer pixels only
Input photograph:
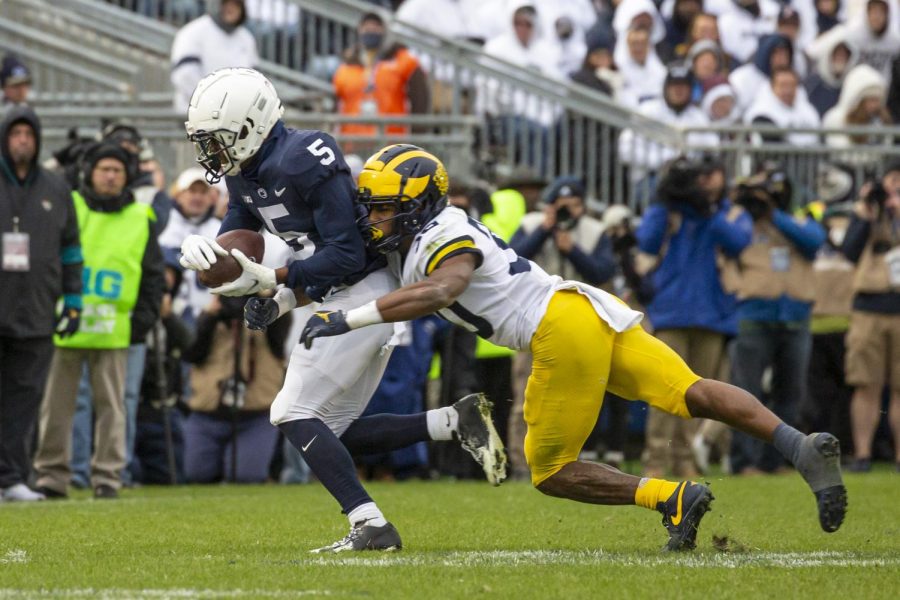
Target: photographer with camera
[
  {"x": 679, "y": 238},
  {"x": 563, "y": 239},
  {"x": 774, "y": 282},
  {"x": 235, "y": 375},
  {"x": 872, "y": 242}
]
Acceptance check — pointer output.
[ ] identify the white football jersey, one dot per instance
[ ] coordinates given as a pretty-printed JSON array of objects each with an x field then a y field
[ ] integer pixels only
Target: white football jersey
[{"x": 508, "y": 295}]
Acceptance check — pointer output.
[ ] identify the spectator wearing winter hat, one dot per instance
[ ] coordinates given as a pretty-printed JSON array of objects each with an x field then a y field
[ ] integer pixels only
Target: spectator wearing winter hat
[
  {"x": 562, "y": 238},
  {"x": 123, "y": 290},
  {"x": 707, "y": 61},
  {"x": 788, "y": 25},
  {"x": 598, "y": 71},
  {"x": 41, "y": 263},
  {"x": 720, "y": 104},
  {"x": 823, "y": 85},
  {"x": 15, "y": 79},
  {"x": 862, "y": 102},
  {"x": 775, "y": 52}
]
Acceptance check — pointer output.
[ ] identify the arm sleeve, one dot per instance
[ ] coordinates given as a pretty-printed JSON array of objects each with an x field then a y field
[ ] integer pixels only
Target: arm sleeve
[
  {"x": 652, "y": 230},
  {"x": 855, "y": 239},
  {"x": 340, "y": 250},
  {"x": 150, "y": 293},
  {"x": 597, "y": 267},
  {"x": 732, "y": 236},
  {"x": 527, "y": 245},
  {"x": 808, "y": 236},
  {"x": 70, "y": 253}
]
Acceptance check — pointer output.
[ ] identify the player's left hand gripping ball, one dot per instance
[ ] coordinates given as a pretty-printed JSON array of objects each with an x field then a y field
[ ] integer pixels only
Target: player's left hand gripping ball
[
  {"x": 254, "y": 278},
  {"x": 323, "y": 324}
]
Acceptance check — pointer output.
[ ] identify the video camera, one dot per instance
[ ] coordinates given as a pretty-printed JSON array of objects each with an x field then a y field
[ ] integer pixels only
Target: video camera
[
  {"x": 679, "y": 184},
  {"x": 766, "y": 190}
]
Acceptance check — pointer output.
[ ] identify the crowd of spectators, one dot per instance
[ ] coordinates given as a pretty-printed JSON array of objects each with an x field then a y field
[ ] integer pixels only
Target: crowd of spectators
[{"x": 120, "y": 368}]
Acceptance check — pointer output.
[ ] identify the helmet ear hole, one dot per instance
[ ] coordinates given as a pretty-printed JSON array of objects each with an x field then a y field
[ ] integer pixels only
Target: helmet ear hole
[{"x": 244, "y": 133}]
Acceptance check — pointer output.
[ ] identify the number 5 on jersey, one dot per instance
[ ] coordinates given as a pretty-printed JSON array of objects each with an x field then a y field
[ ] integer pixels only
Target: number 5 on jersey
[{"x": 318, "y": 148}]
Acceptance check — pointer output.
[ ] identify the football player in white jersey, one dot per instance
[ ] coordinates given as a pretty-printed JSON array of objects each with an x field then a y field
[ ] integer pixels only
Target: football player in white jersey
[{"x": 584, "y": 341}]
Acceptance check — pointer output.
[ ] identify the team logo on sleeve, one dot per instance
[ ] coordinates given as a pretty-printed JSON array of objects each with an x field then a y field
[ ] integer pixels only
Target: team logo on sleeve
[{"x": 262, "y": 193}]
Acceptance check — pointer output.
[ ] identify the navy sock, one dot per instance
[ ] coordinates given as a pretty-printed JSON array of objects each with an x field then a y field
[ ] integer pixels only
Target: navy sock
[
  {"x": 787, "y": 440},
  {"x": 328, "y": 459},
  {"x": 385, "y": 432}
]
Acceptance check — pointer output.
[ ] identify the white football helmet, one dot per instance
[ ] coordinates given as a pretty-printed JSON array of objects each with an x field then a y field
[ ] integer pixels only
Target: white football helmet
[{"x": 231, "y": 113}]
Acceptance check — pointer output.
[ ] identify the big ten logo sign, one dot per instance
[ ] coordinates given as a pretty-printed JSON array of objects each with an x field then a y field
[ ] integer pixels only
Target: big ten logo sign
[{"x": 103, "y": 283}]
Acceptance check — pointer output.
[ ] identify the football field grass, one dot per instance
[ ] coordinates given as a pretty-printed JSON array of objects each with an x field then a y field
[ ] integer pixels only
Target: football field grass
[{"x": 462, "y": 540}]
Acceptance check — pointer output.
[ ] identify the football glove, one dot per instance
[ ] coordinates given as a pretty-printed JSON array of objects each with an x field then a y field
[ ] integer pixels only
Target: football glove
[
  {"x": 254, "y": 278},
  {"x": 68, "y": 321},
  {"x": 198, "y": 253},
  {"x": 259, "y": 313},
  {"x": 323, "y": 324}
]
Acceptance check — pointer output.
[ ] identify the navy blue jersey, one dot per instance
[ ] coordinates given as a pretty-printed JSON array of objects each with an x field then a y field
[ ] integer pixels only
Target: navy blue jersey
[{"x": 299, "y": 187}]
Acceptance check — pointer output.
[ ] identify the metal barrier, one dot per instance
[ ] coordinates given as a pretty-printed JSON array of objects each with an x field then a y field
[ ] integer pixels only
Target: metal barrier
[{"x": 448, "y": 136}]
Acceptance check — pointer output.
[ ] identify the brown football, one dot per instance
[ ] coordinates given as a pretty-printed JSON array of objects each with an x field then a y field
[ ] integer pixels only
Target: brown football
[{"x": 227, "y": 268}]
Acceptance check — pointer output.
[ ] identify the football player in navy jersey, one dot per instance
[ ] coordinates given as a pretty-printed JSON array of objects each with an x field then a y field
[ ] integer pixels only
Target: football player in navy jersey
[
  {"x": 583, "y": 341},
  {"x": 297, "y": 185}
]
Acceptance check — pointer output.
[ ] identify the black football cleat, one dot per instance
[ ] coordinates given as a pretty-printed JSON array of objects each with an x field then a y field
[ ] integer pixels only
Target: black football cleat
[
  {"x": 476, "y": 433},
  {"x": 682, "y": 513},
  {"x": 820, "y": 465},
  {"x": 365, "y": 537}
]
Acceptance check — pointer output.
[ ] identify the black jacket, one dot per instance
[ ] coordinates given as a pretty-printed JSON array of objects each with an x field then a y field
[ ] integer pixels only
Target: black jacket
[{"x": 44, "y": 207}]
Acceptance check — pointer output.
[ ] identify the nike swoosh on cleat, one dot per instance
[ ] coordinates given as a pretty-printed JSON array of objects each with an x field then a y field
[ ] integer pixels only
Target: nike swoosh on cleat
[
  {"x": 677, "y": 518},
  {"x": 308, "y": 444}
]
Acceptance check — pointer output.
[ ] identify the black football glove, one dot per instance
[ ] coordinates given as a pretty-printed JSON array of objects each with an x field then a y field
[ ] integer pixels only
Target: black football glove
[
  {"x": 259, "y": 313},
  {"x": 323, "y": 324},
  {"x": 68, "y": 321}
]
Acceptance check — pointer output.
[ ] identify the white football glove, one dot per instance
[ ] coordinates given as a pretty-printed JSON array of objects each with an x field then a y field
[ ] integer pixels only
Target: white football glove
[
  {"x": 253, "y": 279},
  {"x": 198, "y": 253}
]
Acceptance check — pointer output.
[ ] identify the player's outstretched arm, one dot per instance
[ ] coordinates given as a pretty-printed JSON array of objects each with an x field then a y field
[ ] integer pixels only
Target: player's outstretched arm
[{"x": 439, "y": 290}]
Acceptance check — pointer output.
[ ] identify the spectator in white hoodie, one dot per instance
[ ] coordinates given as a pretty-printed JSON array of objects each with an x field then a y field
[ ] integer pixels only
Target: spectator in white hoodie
[
  {"x": 862, "y": 102},
  {"x": 522, "y": 45},
  {"x": 745, "y": 24},
  {"x": 209, "y": 43},
  {"x": 775, "y": 52},
  {"x": 874, "y": 31},
  {"x": 780, "y": 104},
  {"x": 675, "y": 109},
  {"x": 642, "y": 71},
  {"x": 823, "y": 85}
]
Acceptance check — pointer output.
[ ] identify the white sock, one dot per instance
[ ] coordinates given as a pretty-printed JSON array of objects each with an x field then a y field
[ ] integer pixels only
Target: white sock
[
  {"x": 367, "y": 512},
  {"x": 442, "y": 422}
]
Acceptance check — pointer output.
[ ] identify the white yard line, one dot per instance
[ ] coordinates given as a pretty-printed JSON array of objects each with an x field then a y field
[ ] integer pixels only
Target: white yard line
[
  {"x": 504, "y": 558},
  {"x": 186, "y": 593}
]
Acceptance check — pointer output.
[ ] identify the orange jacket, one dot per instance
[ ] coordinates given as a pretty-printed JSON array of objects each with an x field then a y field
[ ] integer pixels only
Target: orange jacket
[{"x": 357, "y": 86}]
